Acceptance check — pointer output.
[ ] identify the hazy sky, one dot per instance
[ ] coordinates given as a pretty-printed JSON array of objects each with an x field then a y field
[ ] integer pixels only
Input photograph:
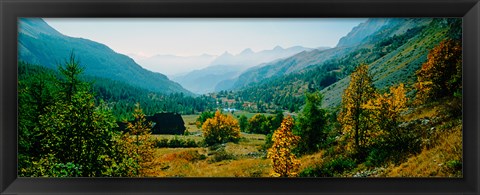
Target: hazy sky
[{"x": 187, "y": 37}]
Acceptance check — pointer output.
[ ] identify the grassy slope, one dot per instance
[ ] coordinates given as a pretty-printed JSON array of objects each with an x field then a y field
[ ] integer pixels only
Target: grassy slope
[
  {"x": 441, "y": 155},
  {"x": 396, "y": 67}
]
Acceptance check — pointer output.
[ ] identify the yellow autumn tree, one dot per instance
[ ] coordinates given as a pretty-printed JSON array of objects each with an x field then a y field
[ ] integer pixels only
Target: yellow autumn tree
[
  {"x": 284, "y": 141},
  {"x": 386, "y": 111},
  {"x": 220, "y": 129},
  {"x": 354, "y": 118},
  {"x": 139, "y": 140},
  {"x": 441, "y": 74}
]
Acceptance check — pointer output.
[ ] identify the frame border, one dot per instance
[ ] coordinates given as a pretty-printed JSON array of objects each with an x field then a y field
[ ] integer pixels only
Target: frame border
[{"x": 10, "y": 10}]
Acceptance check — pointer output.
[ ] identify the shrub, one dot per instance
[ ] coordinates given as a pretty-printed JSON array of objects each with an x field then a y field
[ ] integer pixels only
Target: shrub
[
  {"x": 330, "y": 168},
  {"x": 220, "y": 129},
  {"x": 376, "y": 157},
  {"x": 176, "y": 143},
  {"x": 220, "y": 155},
  {"x": 190, "y": 155}
]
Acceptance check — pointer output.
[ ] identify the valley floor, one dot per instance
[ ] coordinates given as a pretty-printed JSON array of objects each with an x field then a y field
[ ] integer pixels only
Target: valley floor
[{"x": 440, "y": 157}]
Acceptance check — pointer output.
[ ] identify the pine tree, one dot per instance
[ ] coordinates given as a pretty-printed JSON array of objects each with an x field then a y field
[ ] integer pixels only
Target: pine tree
[
  {"x": 312, "y": 124},
  {"x": 243, "y": 123},
  {"x": 285, "y": 163},
  {"x": 73, "y": 130}
]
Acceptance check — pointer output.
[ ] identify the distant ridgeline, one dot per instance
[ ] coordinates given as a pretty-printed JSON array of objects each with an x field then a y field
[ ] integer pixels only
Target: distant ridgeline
[{"x": 163, "y": 123}]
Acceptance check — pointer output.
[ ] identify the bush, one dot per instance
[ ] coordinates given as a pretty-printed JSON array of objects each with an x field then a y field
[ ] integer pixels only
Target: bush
[
  {"x": 455, "y": 165},
  {"x": 330, "y": 168},
  {"x": 66, "y": 170},
  {"x": 176, "y": 143},
  {"x": 220, "y": 155},
  {"x": 220, "y": 129},
  {"x": 377, "y": 157},
  {"x": 190, "y": 155},
  {"x": 162, "y": 143}
]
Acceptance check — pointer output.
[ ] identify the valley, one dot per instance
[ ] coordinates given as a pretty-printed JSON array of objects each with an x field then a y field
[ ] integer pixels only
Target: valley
[{"x": 386, "y": 101}]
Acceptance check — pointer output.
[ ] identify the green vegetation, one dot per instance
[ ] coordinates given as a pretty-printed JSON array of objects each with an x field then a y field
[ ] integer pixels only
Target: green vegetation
[
  {"x": 313, "y": 125},
  {"x": 388, "y": 106},
  {"x": 60, "y": 126}
]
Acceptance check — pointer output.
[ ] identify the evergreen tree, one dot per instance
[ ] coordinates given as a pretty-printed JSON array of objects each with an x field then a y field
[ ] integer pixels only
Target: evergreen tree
[
  {"x": 312, "y": 124},
  {"x": 73, "y": 130},
  {"x": 243, "y": 123}
]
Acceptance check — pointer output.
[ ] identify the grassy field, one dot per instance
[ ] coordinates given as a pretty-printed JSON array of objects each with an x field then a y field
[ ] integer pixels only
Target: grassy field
[{"x": 243, "y": 159}]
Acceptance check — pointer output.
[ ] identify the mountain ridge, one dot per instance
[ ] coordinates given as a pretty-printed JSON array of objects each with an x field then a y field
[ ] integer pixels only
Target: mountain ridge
[
  {"x": 43, "y": 45},
  {"x": 228, "y": 66}
]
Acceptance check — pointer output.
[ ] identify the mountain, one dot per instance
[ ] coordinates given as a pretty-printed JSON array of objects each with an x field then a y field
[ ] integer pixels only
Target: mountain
[
  {"x": 403, "y": 48},
  {"x": 228, "y": 66},
  {"x": 38, "y": 43},
  {"x": 173, "y": 65},
  {"x": 285, "y": 66},
  {"x": 362, "y": 31},
  {"x": 204, "y": 80},
  {"x": 394, "y": 53},
  {"x": 357, "y": 39},
  {"x": 249, "y": 58}
]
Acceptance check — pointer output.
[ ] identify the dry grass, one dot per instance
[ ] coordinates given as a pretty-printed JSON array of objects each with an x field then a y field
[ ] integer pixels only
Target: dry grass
[
  {"x": 423, "y": 112},
  {"x": 438, "y": 161},
  {"x": 311, "y": 160},
  {"x": 190, "y": 123},
  {"x": 243, "y": 159}
]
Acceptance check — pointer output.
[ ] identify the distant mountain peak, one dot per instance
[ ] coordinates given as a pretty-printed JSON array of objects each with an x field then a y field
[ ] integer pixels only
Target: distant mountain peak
[
  {"x": 247, "y": 51},
  {"x": 278, "y": 48},
  {"x": 226, "y": 53}
]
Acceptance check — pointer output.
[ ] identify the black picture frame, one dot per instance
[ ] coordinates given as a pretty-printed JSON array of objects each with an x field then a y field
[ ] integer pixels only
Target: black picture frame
[{"x": 10, "y": 10}]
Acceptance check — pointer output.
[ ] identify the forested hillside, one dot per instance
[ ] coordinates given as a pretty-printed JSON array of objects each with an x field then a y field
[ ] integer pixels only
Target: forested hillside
[
  {"x": 394, "y": 53},
  {"x": 121, "y": 97},
  {"x": 38, "y": 43}
]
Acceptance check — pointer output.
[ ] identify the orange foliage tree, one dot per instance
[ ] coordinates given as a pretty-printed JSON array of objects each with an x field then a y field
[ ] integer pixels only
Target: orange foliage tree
[
  {"x": 285, "y": 163},
  {"x": 354, "y": 118},
  {"x": 220, "y": 129},
  {"x": 441, "y": 74}
]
